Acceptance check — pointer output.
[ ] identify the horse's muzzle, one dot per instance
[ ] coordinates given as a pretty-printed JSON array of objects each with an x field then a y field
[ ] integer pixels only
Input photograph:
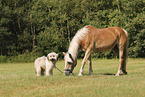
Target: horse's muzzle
[{"x": 67, "y": 72}]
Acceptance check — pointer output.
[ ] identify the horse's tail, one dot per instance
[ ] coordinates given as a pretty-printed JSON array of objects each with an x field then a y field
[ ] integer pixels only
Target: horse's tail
[
  {"x": 126, "y": 43},
  {"x": 125, "y": 32}
]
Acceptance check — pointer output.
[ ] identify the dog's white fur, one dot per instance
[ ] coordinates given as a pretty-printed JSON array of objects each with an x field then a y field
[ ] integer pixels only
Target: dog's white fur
[{"x": 45, "y": 64}]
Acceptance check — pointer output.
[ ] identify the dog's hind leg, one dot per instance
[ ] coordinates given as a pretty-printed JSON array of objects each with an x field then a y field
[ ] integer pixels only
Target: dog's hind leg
[
  {"x": 38, "y": 71},
  {"x": 42, "y": 71}
]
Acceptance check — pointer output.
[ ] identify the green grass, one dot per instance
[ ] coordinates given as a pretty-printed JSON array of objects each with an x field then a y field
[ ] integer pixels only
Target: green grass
[{"x": 20, "y": 80}]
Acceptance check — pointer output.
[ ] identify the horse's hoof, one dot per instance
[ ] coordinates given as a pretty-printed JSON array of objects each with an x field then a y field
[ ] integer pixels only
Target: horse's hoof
[
  {"x": 125, "y": 73},
  {"x": 49, "y": 75},
  {"x": 80, "y": 74},
  {"x": 117, "y": 75},
  {"x": 90, "y": 73},
  {"x": 38, "y": 74}
]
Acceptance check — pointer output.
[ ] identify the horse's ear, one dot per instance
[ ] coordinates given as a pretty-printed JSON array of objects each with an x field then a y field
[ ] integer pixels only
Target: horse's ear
[{"x": 64, "y": 53}]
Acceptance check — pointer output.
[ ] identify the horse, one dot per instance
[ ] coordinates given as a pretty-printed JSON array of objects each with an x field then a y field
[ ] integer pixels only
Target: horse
[{"x": 91, "y": 39}]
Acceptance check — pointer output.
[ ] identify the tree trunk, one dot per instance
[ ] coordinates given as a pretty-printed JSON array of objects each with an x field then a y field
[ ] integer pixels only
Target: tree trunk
[
  {"x": 14, "y": 27},
  {"x": 68, "y": 31},
  {"x": 119, "y": 5},
  {"x": 1, "y": 52},
  {"x": 33, "y": 34},
  {"x": 34, "y": 37},
  {"x": 19, "y": 26}
]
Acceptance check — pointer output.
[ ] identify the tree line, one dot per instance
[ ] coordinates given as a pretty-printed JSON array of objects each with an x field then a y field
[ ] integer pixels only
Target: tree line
[{"x": 41, "y": 26}]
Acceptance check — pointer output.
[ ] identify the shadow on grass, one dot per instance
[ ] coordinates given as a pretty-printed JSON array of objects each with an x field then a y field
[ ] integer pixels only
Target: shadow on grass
[{"x": 105, "y": 74}]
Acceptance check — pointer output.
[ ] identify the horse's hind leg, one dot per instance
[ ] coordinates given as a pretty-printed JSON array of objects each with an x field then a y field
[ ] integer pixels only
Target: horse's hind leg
[
  {"x": 122, "y": 61},
  {"x": 116, "y": 50}
]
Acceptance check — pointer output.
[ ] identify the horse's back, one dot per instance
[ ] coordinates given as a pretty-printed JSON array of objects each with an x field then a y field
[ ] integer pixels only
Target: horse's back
[
  {"x": 115, "y": 31},
  {"x": 102, "y": 39}
]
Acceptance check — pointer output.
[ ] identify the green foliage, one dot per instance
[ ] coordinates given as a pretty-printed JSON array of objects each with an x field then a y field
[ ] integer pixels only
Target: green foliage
[
  {"x": 42, "y": 26},
  {"x": 48, "y": 41},
  {"x": 3, "y": 59},
  {"x": 25, "y": 57},
  {"x": 136, "y": 37}
]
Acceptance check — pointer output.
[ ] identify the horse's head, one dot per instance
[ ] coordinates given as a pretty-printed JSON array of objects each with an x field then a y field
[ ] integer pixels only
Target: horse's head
[{"x": 70, "y": 63}]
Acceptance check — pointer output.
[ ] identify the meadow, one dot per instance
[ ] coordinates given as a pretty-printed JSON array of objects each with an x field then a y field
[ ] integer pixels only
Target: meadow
[{"x": 20, "y": 80}]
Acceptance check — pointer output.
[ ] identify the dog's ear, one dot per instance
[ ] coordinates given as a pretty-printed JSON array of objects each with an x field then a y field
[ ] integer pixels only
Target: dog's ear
[
  {"x": 64, "y": 53},
  {"x": 57, "y": 55},
  {"x": 48, "y": 55}
]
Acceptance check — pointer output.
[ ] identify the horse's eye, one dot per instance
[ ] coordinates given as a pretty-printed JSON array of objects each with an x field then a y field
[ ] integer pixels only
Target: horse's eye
[{"x": 69, "y": 62}]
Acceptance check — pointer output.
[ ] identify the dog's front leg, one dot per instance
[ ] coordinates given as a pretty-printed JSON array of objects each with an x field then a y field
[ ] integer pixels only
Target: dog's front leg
[
  {"x": 51, "y": 72},
  {"x": 47, "y": 68},
  {"x": 48, "y": 71}
]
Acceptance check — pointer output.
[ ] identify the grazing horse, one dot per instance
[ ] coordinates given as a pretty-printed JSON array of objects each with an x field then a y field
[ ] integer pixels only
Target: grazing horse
[{"x": 91, "y": 39}]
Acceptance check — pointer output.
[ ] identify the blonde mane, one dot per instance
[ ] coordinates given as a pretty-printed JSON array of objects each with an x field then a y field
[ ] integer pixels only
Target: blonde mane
[{"x": 74, "y": 44}]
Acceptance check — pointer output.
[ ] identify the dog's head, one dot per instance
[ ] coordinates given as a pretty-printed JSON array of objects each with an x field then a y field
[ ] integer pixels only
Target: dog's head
[{"x": 52, "y": 56}]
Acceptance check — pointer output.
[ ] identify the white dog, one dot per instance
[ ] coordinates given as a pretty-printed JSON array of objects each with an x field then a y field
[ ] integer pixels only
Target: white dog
[{"x": 46, "y": 64}]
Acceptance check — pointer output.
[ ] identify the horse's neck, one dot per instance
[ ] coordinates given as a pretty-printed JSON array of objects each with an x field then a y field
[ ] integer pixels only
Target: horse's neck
[{"x": 74, "y": 45}]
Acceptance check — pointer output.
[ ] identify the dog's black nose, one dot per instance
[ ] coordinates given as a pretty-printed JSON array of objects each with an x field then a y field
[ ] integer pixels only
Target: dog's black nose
[{"x": 52, "y": 59}]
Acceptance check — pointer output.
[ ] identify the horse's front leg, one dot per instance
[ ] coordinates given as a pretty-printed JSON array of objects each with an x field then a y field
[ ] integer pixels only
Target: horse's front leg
[
  {"x": 87, "y": 55},
  {"x": 90, "y": 65}
]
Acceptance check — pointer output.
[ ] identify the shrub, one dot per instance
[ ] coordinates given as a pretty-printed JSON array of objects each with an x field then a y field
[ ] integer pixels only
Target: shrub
[{"x": 3, "y": 59}]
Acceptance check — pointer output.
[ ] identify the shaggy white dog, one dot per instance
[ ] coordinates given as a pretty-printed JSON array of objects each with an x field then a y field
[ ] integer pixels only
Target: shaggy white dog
[{"x": 46, "y": 64}]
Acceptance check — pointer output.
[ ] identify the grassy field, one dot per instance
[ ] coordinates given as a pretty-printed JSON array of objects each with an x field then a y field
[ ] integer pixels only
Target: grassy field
[{"x": 20, "y": 80}]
